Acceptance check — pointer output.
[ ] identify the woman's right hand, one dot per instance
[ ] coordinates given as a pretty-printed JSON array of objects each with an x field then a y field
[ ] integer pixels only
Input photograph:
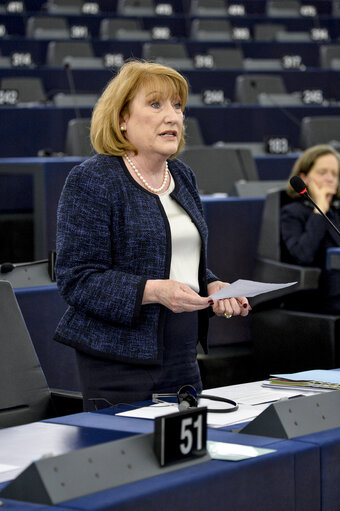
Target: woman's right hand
[
  {"x": 174, "y": 295},
  {"x": 322, "y": 195}
]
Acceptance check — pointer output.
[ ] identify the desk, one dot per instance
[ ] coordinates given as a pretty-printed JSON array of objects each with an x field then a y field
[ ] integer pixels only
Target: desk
[
  {"x": 286, "y": 480},
  {"x": 302, "y": 475},
  {"x": 22, "y": 444},
  {"x": 317, "y": 488}
]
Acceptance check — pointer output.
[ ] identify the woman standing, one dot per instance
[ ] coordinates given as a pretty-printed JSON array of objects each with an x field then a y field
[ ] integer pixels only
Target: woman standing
[{"x": 131, "y": 246}]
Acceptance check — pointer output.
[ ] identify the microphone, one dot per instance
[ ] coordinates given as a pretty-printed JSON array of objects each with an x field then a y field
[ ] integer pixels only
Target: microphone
[
  {"x": 72, "y": 87},
  {"x": 299, "y": 186},
  {"x": 8, "y": 267}
]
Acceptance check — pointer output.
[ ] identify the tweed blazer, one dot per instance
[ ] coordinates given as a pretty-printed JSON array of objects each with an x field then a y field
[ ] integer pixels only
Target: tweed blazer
[{"x": 112, "y": 236}]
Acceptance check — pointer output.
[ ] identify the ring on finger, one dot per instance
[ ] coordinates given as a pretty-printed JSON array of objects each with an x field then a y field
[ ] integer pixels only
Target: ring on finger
[{"x": 227, "y": 316}]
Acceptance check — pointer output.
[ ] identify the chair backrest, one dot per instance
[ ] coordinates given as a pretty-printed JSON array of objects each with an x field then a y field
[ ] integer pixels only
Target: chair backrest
[
  {"x": 272, "y": 262},
  {"x": 64, "y": 6},
  {"x": 122, "y": 28},
  {"x": 30, "y": 89},
  {"x": 287, "y": 36},
  {"x": 136, "y": 7},
  {"x": 208, "y": 8},
  {"x": 327, "y": 54},
  {"x": 248, "y": 87},
  {"x": 250, "y": 64},
  {"x": 5, "y": 62},
  {"x": 75, "y": 100},
  {"x": 25, "y": 396},
  {"x": 319, "y": 130},
  {"x": 78, "y": 141},
  {"x": 227, "y": 58},
  {"x": 269, "y": 245},
  {"x": 211, "y": 29},
  {"x": 195, "y": 99},
  {"x": 259, "y": 188},
  {"x": 47, "y": 27},
  {"x": 256, "y": 148},
  {"x": 266, "y": 99},
  {"x": 266, "y": 31},
  {"x": 336, "y": 8},
  {"x": 193, "y": 132},
  {"x": 283, "y": 8},
  {"x": 57, "y": 51},
  {"x": 152, "y": 51},
  {"x": 218, "y": 168}
]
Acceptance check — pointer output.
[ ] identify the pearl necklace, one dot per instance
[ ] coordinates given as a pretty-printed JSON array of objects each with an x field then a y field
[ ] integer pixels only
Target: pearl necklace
[{"x": 155, "y": 190}]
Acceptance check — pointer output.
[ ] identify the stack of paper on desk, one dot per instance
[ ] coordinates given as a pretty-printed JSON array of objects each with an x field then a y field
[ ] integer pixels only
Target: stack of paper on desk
[
  {"x": 315, "y": 379},
  {"x": 251, "y": 397}
]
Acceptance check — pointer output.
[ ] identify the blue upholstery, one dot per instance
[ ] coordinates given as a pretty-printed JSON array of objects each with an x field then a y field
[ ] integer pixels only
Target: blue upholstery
[{"x": 57, "y": 361}]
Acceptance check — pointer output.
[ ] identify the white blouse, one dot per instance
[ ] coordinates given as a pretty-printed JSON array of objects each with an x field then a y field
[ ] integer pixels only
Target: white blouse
[{"x": 185, "y": 241}]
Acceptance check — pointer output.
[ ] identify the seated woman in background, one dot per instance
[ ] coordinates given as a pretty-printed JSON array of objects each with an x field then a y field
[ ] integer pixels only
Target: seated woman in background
[{"x": 305, "y": 234}]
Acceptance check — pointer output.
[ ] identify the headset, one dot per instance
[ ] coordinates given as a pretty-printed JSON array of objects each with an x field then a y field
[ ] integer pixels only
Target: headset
[{"x": 187, "y": 397}]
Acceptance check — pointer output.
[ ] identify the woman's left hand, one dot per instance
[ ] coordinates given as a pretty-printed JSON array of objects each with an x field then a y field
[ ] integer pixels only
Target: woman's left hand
[{"x": 228, "y": 306}]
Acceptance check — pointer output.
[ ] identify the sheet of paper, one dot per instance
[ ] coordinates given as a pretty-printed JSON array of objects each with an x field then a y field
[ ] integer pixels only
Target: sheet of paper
[
  {"x": 150, "y": 412},
  {"x": 305, "y": 391},
  {"x": 234, "y": 452},
  {"x": 252, "y": 398},
  {"x": 317, "y": 375},
  {"x": 7, "y": 468},
  {"x": 247, "y": 288},
  {"x": 243, "y": 414},
  {"x": 9, "y": 472},
  {"x": 254, "y": 393}
]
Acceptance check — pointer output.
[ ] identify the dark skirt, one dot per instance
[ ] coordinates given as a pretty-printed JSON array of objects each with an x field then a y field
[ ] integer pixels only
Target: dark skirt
[{"x": 107, "y": 382}]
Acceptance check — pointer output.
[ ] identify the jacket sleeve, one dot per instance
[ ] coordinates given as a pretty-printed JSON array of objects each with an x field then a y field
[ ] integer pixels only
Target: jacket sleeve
[
  {"x": 85, "y": 271},
  {"x": 301, "y": 234}
]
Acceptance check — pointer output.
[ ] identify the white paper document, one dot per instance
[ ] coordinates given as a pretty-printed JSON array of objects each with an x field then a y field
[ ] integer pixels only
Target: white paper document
[
  {"x": 8, "y": 472},
  {"x": 247, "y": 288},
  {"x": 251, "y": 397},
  {"x": 234, "y": 452},
  {"x": 217, "y": 420},
  {"x": 254, "y": 393},
  {"x": 315, "y": 375},
  {"x": 7, "y": 468}
]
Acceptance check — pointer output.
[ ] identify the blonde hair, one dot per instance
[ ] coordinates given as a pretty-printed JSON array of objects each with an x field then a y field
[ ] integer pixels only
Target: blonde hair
[
  {"x": 106, "y": 135},
  {"x": 306, "y": 161}
]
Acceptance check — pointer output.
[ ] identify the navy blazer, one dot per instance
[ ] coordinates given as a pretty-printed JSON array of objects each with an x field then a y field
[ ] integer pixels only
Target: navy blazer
[
  {"x": 306, "y": 236},
  {"x": 112, "y": 236}
]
